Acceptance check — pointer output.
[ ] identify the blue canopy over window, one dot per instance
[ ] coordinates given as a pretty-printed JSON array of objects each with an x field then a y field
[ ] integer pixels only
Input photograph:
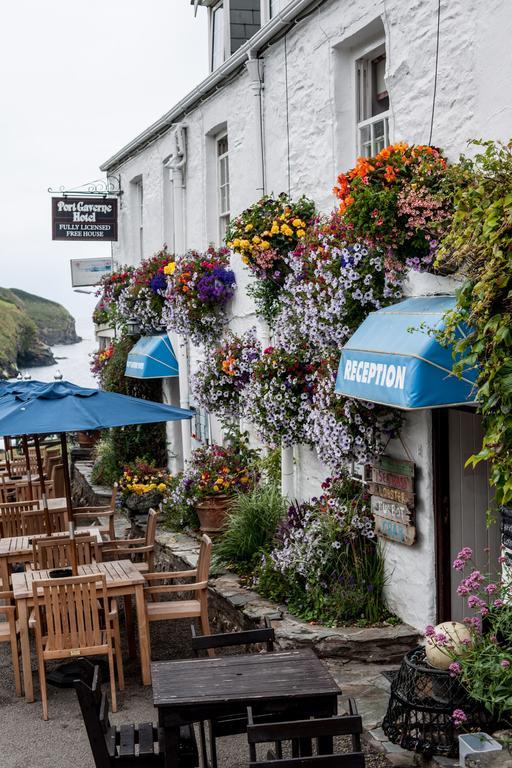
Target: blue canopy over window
[
  {"x": 152, "y": 357},
  {"x": 394, "y": 358}
]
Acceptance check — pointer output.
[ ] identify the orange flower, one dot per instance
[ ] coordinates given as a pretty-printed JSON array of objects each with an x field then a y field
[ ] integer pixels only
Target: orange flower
[
  {"x": 390, "y": 174},
  {"x": 228, "y": 366}
]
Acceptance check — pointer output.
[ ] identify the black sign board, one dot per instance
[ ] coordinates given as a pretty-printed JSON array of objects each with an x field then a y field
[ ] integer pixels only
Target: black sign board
[{"x": 84, "y": 218}]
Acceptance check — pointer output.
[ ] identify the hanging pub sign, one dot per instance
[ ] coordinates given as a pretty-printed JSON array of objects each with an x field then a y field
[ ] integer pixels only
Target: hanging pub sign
[
  {"x": 84, "y": 218},
  {"x": 392, "y": 499}
]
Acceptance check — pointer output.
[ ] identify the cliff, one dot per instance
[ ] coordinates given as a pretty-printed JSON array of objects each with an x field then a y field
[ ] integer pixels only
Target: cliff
[
  {"x": 28, "y": 324},
  {"x": 55, "y": 324}
]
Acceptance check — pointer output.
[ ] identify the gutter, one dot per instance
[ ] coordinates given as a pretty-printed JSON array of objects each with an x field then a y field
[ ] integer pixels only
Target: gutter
[{"x": 250, "y": 49}]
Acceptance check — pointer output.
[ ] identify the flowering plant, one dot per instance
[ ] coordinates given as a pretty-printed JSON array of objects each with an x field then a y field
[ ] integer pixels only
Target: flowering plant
[
  {"x": 143, "y": 297},
  {"x": 342, "y": 429},
  {"x": 99, "y": 360},
  {"x": 213, "y": 470},
  {"x": 199, "y": 287},
  {"x": 263, "y": 235},
  {"x": 220, "y": 381},
  {"x": 140, "y": 478},
  {"x": 109, "y": 291},
  {"x": 484, "y": 666},
  {"x": 326, "y": 562},
  {"x": 279, "y": 396},
  {"x": 400, "y": 201},
  {"x": 331, "y": 287}
]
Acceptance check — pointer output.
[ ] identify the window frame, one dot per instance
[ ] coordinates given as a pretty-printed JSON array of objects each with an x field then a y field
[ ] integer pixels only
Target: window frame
[
  {"x": 363, "y": 96},
  {"x": 220, "y": 5},
  {"x": 223, "y": 215},
  {"x": 140, "y": 216}
]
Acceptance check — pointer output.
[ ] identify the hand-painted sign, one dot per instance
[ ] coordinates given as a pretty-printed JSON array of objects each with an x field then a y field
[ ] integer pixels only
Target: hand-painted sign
[
  {"x": 84, "y": 218},
  {"x": 392, "y": 500}
]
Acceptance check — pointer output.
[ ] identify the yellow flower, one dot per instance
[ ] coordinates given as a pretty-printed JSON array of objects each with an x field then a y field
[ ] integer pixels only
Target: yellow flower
[
  {"x": 256, "y": 239},
  {"x": 286, "y": 230},
  {"x": 245, "y": 259},
  {"x": 265, "y": 244},
  {"x": 249, "y": 227},
  {"x": 274, "y": 230},
  {"x": 245, "y": 243},
  {"x": 236, "y": 242},
  {"x": 216, "y": 488},
  {"x": 301, "y": 233},
  {"x": 169, "y": 268},
  {"x": 297, "y": 223},
  {"x": 162, "y": 487}
]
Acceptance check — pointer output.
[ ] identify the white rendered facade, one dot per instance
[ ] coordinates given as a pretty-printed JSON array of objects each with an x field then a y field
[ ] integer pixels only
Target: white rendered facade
[{"x": 287, "y": 120}]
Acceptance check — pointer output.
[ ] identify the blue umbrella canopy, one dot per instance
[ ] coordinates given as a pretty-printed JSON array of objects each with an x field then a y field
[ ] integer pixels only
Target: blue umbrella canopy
[{"x": 36, "y": 408}]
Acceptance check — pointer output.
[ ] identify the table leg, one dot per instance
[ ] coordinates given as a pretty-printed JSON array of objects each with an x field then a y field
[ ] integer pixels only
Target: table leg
[
  {"x": 128, "y": 615},
  {"x": 144, "y": 643},
  {"x": 25, "y": 650},
  {"x": 171, "y": 733}
]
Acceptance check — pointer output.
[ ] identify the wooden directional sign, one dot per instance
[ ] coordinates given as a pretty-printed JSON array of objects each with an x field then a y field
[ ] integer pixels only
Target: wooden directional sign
[
  {"x": 395, "y": 531},
  {"x": 392, "y": 500}
]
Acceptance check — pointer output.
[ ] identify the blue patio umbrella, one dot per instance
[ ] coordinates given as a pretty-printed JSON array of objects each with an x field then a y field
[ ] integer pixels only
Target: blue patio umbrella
[{"x": 37, "y": 408}]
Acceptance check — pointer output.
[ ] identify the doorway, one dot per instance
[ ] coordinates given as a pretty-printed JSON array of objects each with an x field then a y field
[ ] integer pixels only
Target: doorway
[{"x": 462, "y": 497}]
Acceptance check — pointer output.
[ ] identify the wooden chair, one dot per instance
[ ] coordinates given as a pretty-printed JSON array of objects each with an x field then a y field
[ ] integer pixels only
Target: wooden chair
[
  {"x": 229, "y": 725},
  {"x": 9, "y": 632},
  {"x": 168, "y": 610},
  {"x": 35, "y": 521},
  {"x": 302, "y": 734},
  {"x": 94, "y": 515},
  {"x": 68, "y": 623},
  {"x": 12, "y": 521},
  {"x": 57, "y": 552},
  {"x": 7, "y": 489},
  {"x": 26, "y": 491},
  {"x": 140, "y": 547},
  {"x": 125, "y": 746}
]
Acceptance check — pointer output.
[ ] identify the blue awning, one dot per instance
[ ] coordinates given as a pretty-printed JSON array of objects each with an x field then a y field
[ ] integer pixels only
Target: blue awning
[
  {"x": 152, "y": 357},
  {"x": 394, "y": 359}
]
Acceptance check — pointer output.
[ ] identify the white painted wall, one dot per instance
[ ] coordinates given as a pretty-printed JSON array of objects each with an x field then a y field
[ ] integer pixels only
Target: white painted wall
[{"x": 309, "y": 137}]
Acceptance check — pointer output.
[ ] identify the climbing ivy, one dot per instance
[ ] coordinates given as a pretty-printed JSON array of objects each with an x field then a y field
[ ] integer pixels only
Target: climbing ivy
[{"x": 479, "y": 246}]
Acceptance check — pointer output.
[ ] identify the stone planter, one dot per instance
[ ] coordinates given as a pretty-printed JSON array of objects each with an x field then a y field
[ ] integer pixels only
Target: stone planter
[
  {"x": 212, "y": 512},
  {"x": 141, "y": 504}
]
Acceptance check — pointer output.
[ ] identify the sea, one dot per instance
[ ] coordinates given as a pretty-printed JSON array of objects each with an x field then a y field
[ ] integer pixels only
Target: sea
[{"x": 72, "y": 360}]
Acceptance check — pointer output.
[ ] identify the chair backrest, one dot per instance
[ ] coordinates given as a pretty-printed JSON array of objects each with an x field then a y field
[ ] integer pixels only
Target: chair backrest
[
  {"x": 72, "y": 611},
  {"x": 151, "y": 528},
  {"x": 12, "y": 522},
  {"x": 302, "y": 734},
  {"x": 205, "y": 556},
  {"x": 265, "y": 636},
  {"x": 94, "y": 706},
  {"x": 57, "y": 480},
  {"x": 27, "y": 491},
  {"x": 35, "y": 520},
  {"x": 57, "y": 551},
  {"x": 113, "y": 499}
]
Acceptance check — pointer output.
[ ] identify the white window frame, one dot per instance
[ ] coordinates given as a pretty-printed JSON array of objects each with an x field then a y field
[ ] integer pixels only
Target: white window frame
[
  {"x": 223, "y": 214},
  {"x": 140, "y": 217},
  {"x": 364, "y": 90},
  {"x": 221, "y": 4}
]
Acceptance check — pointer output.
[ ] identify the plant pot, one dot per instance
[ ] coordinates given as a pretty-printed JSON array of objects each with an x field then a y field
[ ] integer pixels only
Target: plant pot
[
  {"x": 212, "y": 512},
  {"x": 87, "y": 439}
]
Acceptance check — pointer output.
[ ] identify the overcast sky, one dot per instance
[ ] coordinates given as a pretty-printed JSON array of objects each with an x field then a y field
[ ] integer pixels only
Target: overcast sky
[{"x": 79, "y": 80}]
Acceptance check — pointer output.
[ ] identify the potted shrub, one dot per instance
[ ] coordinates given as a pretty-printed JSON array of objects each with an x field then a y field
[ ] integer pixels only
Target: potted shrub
[{"x": 143, "y": 487}]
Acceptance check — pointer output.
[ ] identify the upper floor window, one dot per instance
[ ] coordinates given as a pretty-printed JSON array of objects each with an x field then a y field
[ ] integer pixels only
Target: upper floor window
[
  {"x": 372, "y": 103},
  {"x": 217, "y": 35},
  {"x": 275, "y": 6},
  {"x": 140, "y": 217},
  {"x": 223, "y": 183}
]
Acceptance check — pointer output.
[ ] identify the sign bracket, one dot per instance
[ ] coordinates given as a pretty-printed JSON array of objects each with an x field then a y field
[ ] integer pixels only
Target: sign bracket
[{"x": 99, "y": 187}]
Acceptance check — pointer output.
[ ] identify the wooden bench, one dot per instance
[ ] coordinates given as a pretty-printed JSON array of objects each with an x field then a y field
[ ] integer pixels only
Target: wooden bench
[{"x": 126, "y": 746}]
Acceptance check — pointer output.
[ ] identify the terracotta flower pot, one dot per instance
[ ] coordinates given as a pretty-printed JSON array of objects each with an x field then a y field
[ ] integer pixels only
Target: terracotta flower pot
[
  {"x": 88, "y": 439},
  {"x": 212, "y": 512}
]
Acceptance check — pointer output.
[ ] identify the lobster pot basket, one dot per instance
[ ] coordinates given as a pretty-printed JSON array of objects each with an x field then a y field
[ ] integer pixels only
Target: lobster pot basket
[{"x": 422, "y": 700}]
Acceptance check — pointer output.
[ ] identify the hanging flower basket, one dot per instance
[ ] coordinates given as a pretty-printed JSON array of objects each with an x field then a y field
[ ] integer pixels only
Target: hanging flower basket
[{"x": 212, "y": 512}]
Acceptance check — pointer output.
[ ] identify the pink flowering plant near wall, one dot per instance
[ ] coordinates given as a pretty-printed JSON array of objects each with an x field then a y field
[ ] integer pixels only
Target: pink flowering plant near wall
[
  {"x": 108, "y": 292},
  {"x": 200, "y": 285},
  {"x": 484, "y": 667},
  {"x": 221, "y": 379},
  {"x": 143, "y": 298}
]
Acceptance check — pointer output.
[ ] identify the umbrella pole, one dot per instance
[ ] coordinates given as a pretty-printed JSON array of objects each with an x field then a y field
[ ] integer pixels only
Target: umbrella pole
[
  {"x": 67, "y": 479},
  {"x": 24, "y": 441},
  {"x": 43, "y": 485},
  {"x": 7, "y": 446}
]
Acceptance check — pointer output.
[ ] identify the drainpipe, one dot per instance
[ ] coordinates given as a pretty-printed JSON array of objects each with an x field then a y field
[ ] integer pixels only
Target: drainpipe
[
  {"x": 176, "y": 165},
  {"x": 254, "y": 68},
  {"x": 287, "y": 472}
]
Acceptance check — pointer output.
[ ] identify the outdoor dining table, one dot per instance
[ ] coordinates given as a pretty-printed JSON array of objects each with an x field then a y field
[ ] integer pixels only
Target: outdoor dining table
[
  {"x": 18, "y": 549},
  {"x": 122, "y": 578},
  {"x": 191, "y": 690}
]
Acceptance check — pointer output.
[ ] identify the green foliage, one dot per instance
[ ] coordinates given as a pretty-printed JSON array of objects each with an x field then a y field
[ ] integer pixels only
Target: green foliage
[
  {"x": 52, "y": 319},
  {"x": 106, "y": 468},
  {"x": 17, "y": 334},
  {"x": 270, "y": 466},
  {"x": 479, "y": 245},
  {"x": 124, "y": 445},
  {"x": 251, "y": 527}
]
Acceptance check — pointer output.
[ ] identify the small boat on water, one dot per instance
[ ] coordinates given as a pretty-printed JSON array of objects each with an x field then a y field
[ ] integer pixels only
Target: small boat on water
[{"x": 58, "y": 375}]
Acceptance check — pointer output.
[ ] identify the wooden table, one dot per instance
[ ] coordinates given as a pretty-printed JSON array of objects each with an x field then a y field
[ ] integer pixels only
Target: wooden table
[
  {"x": 198, "y": 689},
  {"x": 18, "y": 549},
  {"x": 55, "y": 504},
  {"x": 122, "y": 578}
]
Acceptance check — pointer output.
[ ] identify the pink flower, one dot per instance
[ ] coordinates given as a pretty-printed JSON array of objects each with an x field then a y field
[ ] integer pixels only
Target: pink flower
[
  {"x": 465, "y": 554},
  {"x": 498, "y": 603},
  {"x": 505, "y": 663},
  {"x": 458, "y": 565},
  {"x": 502, "y": 559},
  {"x": 455, "y": 668},
  {"x": 429, "y": 630},
  {"x": 490, "y": 588},
  {"x": 440, "y": 638},
  {"x": 459, "y": 717}
]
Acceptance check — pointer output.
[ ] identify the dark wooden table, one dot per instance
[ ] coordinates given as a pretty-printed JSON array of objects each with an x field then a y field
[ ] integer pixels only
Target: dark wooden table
[{"x": 198, "y": 689}]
